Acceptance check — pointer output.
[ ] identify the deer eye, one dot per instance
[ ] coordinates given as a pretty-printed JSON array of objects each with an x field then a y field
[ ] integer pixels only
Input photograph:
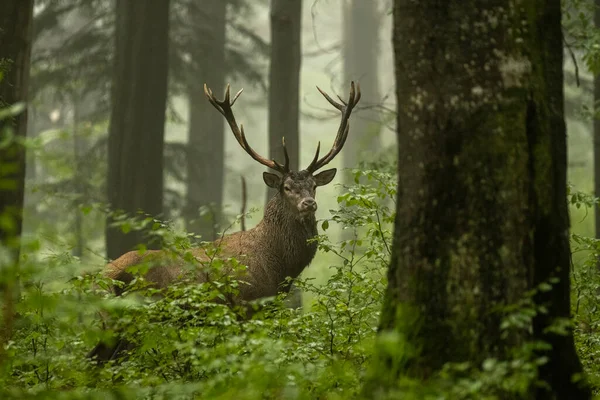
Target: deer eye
[{"x": 287, "y": 189}]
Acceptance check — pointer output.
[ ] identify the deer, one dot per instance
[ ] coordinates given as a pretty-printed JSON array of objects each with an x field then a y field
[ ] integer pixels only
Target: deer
[{"x": 277, "y": 249}]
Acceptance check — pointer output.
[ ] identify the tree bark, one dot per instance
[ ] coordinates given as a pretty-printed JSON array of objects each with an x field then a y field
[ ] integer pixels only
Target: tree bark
[
  {"x": 361, "y": 23},
  {"x": 136, "y": 132},
  {"x": 206, "y": 131},
  {"x": 284, "y": 81},
  {"x": 15, "y": 47},
  {"x": 597, "y": 132},
  {"x": 16, "y": 21},
  {"x": 481, "y": 216}
]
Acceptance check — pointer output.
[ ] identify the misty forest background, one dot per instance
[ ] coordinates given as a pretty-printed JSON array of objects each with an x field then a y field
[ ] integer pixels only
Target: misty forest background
[
  {"x": 70, "y": 113},
  {"x": 278, "y": 51}
]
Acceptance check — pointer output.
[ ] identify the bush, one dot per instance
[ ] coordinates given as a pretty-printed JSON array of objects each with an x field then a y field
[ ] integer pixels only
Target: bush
[{"x": 189, "y": 346}]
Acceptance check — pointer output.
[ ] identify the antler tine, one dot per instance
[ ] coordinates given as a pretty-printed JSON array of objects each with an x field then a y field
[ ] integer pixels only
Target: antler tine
[
  {"x": 224, "y": 107},
  {"x": 236, "y": 95},
  {"x": 316, "y": 157},
  {"x": 330, "y": 100},
  {"x": 342, "y": 134}
]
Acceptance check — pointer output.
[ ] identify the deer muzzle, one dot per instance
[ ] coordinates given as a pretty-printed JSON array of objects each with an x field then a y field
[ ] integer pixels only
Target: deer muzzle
[{"x": 308, "y": 205}]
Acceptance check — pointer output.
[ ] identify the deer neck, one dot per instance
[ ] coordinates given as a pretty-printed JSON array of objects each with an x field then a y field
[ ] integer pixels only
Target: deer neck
[{"x": 288, "y": 236}]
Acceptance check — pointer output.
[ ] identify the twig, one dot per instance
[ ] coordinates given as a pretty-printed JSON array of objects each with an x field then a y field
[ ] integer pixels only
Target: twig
[{"x": 574, "y": 61}]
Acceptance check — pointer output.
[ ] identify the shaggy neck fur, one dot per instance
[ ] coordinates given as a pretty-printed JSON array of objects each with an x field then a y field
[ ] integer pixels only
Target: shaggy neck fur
[{"x": 286, "y": 233}]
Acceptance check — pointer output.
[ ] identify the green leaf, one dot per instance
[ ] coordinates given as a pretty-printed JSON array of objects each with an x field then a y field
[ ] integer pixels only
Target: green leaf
[{"x": 12, "y": 110}]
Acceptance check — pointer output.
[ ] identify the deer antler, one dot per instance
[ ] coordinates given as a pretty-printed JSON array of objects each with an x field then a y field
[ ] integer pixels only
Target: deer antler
[
  {"x": 224, "y": 107},
  {"x": 342, "y": 134}
]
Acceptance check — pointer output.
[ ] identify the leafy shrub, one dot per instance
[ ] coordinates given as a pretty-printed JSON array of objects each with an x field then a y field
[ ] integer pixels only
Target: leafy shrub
[{"x": 187, "y": 345}]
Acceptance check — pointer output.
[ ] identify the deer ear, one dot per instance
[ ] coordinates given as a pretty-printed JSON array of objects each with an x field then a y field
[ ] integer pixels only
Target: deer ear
[
  {"x": 272, "y": 180},
  {"x": 324, "y": 177}
]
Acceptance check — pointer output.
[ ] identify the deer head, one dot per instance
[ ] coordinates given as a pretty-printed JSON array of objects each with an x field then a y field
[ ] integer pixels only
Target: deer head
[{"x": 297, "y": 188}]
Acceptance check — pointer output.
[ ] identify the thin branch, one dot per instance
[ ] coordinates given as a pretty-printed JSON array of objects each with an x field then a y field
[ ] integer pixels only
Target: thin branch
[{"x": 568, "y": 47}]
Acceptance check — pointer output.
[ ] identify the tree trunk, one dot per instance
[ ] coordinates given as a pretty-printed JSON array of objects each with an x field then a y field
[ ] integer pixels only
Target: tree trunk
[
  {"x": 597, "y": 132},
  {"x": 284, "y": 81},
  {"x": 16, "y": 21},
  {"x": 284, "y": 94},
  {"x": 481, "y": 216},
  {"x": 136, "y": 133},
  {"x": 360, "y": 52},
  {"x": 79, "y": 179},
  {"x": 206, "y": 140},
  {"x": 15, "y": 47}
]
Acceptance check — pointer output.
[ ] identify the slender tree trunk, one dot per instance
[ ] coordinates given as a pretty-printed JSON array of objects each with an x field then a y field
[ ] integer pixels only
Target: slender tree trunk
[
  {"x": 16, "y": 21},
  {"x": 597, "y": 132},
  {"x": 79, "y": 180},
  {"x": 206, "y": 140},
  {"x": 284, "y": 81},
  {"x": 361, "y": 23},
  {"x": 482, "y": 217},
  {"x": 136, "y": 133}
]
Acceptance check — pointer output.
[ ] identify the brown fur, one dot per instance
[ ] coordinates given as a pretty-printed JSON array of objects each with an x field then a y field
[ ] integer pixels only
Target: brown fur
[{"x": 277, "y": 248}]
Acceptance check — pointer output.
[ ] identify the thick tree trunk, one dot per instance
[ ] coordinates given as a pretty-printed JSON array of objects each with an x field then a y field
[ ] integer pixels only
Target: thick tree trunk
[
  {"x": 16, "y": 18},
  {"x": 360, "y": 52},
  {"x": 597, "y": 132},
  {"x": 284, "y": 81},
  {"x": 136, "y": 133},
  {"x": 15, "y": 48},
  {"x": 206, "y": 140},
  {"x": 482, "y": 215}
]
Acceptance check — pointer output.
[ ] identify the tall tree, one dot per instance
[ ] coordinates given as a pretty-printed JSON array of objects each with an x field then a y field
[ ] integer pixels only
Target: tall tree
[
  {"x": 482, "y": 217},
  {"x": 15, "y": 54},
  {"x": 284, "y": 81},
  {"x": 206, "y": 134},
  {"x": 136, "y": 132},
  {"x": 597, "y": 130},
  {"x": 360, "y": 52},
  {"x": 284, "y": 93}
]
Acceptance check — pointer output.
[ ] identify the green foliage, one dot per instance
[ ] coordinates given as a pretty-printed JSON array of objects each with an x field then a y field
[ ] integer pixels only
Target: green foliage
[
  {"x": 189, "y": 344},
  {"x": 192, "y": 342},
  {"x": 585, "y": 294}
]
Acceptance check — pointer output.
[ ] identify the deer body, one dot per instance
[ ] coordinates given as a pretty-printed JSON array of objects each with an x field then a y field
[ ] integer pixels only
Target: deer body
[{"x": 277, "y": 249}]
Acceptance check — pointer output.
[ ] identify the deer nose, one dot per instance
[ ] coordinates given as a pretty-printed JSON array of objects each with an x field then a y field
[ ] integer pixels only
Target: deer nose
[{"x": 309, "y": 204}]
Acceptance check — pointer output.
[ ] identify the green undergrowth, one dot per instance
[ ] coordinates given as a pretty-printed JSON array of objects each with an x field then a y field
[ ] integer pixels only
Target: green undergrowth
[{"x": 191, "y": 342}]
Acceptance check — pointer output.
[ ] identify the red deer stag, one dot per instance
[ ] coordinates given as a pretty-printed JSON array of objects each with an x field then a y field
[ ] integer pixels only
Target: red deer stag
[{"x": 278, "y": 247}]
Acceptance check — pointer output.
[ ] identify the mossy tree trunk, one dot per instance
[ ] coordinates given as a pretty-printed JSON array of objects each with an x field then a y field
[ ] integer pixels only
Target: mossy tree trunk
[
  {"x": 15, "y": 54},
  {"x": 597, "y": 131},
  {"x": 137, "y": 123},
  {"x": 16, "y": 21},
  {"x": 482, "y": 216}
]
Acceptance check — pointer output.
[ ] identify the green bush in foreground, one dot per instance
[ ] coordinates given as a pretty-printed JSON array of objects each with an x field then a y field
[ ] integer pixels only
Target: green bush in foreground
[{"x": 187, "y": 346}]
